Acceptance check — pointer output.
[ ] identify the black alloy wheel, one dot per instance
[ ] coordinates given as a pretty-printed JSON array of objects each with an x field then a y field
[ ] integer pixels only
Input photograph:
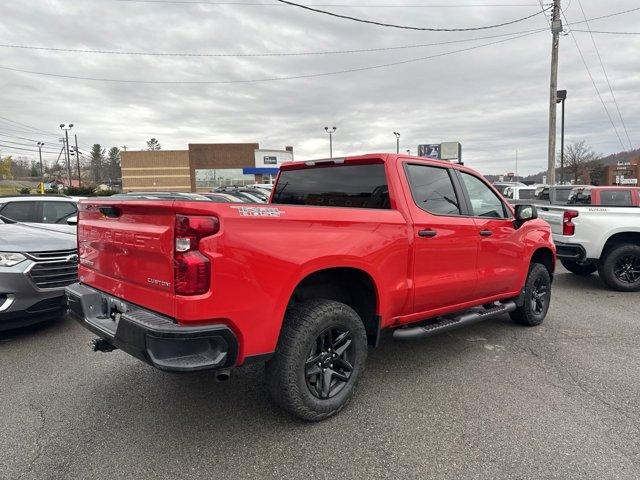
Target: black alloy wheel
[
  {"x": 627, "y": 268},
  {"x": 330, "y": 363},
  {"x": 539, "y": 295}
]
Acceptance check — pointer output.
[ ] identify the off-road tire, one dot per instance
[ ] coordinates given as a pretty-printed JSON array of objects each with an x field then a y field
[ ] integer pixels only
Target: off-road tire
[
  {"x": 607, "y": 267},
  {"x": 529, "y": 313},
  {"x": 286, "y": 372},
  {"x": 577, "y": 268}
]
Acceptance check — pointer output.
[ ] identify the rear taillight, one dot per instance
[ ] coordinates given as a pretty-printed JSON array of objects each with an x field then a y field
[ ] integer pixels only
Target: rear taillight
[
  {"x": 192, "y": 270},
  {"x": 568, "y": 228}
]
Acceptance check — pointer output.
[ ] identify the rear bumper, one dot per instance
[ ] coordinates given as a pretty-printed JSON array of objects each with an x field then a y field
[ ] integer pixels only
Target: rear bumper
[
  {"x": 571, "y": 251},
  {"x": 149, "y": 336}
]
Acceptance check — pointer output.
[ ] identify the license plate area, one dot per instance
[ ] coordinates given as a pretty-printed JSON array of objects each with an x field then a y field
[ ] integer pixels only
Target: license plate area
[{"x": 97, "y": 308}]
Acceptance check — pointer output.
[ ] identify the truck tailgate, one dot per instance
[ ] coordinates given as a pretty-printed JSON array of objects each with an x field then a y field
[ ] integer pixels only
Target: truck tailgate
[
  {"x": 126, "y": 249},
  {"x": 553, "y": 216}
]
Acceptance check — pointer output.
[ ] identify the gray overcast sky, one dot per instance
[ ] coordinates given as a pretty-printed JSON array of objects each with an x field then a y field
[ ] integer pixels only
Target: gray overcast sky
[{"x": 493, "y": 99}]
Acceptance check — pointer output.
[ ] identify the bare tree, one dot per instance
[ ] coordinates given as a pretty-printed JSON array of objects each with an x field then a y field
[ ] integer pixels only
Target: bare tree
[{"x": 578, "y": 157}]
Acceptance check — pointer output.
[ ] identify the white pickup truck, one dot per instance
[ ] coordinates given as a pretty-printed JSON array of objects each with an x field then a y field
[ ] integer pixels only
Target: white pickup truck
[{"x": 602, "y": 238}]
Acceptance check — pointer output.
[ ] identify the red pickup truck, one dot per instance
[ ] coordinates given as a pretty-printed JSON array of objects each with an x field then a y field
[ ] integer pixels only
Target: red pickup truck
[
  {"x": 346, "y": 248},
  {"x": 605, "y": 196}
]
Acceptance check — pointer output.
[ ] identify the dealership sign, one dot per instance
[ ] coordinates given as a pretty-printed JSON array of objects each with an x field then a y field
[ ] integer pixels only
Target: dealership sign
[
  {"x": 429, "y": 150},
  {"x": 442, "y": 151}
]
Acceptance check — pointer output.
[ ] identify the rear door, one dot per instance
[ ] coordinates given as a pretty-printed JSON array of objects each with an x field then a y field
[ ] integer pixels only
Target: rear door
[
  {"x": 126, "y": 249},
  {"x": 22, "y": 211},
  {"x": 445, "y": 242},
  {"x": 501, "y": 250}
]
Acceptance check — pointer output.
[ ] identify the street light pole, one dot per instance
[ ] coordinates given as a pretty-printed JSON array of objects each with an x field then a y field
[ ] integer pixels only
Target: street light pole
[
  {"x": 397, "y": 141},
  {"x": 561, "y": 96},
  {"x": 330, "y": 131},
  {"x": 40, "y": 145}
]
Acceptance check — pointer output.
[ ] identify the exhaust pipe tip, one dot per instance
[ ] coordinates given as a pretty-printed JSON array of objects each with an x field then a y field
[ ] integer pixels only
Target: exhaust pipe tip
[{"x": 223, "y": 375}]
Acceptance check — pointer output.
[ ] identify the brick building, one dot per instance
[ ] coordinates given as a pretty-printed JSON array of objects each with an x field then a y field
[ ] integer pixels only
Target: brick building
[
  {"x": 623, "y": 173},
  {"x": 201, "y": 167}
]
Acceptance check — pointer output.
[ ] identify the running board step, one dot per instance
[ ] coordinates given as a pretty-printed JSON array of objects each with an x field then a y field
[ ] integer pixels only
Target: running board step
[{"x": 451, "y": 323}]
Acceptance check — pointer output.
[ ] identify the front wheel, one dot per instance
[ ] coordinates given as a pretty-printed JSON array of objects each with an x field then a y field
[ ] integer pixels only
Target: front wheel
[
  {"x": 620, "y": 268},
  {"x": 320, "y": 356},
  {"x": 537, "y": 296},
  {"x": 577, "y": 268}
]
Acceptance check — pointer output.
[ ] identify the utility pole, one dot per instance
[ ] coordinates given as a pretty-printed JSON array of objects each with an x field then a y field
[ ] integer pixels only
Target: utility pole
[
  {"x": 516, "y": 164},
  {"x": 78, "y": 160},
  {"x": 556, "y": 29}
]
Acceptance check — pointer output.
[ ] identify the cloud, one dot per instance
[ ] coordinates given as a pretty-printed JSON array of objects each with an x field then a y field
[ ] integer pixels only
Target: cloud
[{"x": 494, "y": 100}]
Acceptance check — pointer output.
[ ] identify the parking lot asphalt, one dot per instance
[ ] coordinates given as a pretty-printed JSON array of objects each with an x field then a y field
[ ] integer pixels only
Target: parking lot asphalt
[{"x": 491, "y": 401}]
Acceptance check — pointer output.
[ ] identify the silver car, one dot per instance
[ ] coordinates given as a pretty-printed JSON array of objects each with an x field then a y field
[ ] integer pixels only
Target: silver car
[{"x": 36, "y": 263}]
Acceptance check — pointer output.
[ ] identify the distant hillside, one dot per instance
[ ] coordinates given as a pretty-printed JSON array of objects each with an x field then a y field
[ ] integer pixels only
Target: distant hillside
[
  {"x": 621, "y": 157},
  {"x": 608, "y": 160}
]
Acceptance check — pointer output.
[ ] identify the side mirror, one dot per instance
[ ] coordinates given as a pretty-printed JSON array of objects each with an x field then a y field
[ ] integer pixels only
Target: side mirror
[
  {"x": 72, "y": 220},
  {"x": 524, "y": 213}
]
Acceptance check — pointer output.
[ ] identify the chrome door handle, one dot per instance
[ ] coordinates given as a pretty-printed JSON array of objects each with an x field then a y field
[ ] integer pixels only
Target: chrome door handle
[{"x": 486, "y": 233}]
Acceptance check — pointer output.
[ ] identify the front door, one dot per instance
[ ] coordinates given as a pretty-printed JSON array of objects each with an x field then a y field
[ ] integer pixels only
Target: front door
[
  {"x": 501, "y": 251},
  {"x": 445, "y": 243}
]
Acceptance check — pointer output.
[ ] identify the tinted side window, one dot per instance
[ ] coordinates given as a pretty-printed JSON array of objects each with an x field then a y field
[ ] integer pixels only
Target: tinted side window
[
  {"x": 526, "y": 194},
  {"x": 21, "y": 211},
  {"x": 544, "y": 194},
  {"x": 57, "y": 212},
  {"x": 484, "y": 202},
  {"x": 615, "y": 197},
  {"x": 432, "y": 189},
  {"x": 562, "y": 195},
  {"x": 579, "y": 197},
  {"x": 355, "y": 186}
]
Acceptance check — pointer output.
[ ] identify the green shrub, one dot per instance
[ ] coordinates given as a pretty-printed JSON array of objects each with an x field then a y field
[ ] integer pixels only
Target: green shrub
[
  {"x": 24, "y": 191},
  {"x": 80, "y": 191},
  {"x": 105, "y": 193}
]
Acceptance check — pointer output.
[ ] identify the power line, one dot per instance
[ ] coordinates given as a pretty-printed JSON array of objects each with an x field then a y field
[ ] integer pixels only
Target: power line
[
  {"x": 13, "y": 131},
  {"x": 35, "y": 131},
  {"x": 27, "y": 145},
  {"x": 25, "y": 125},
  {"x": 595, "y": 86},
  {"x": 19, "y": 148},
  {"x": 276, "y": 54},
  {"x": 406, "y": 27},
  {"x": 544, "y": 13},
  {"x": 337, "y": 5},
  {"x": 606, "y": 76},
  {"x": 266, "y": 79},
  {"x": 609, "y": 33},
  {"x": 20, "y": 137},
  {"x": 604, "y": 16}
]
